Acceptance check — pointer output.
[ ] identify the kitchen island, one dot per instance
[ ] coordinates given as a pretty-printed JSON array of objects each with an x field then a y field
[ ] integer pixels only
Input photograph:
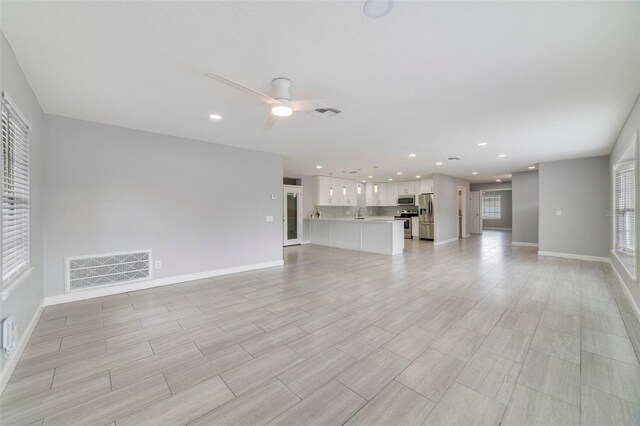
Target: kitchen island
[{"x": 373, "y": 235}]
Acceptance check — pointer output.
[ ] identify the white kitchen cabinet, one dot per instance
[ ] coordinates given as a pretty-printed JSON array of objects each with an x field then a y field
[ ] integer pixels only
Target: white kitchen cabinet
[
  {"x": 406, "y": 188},
  {"x": 382, "y": 193},
  {"x": 426, "y": 186},
  {"x": 392, "y": 194},
  {"x": 352, "y": 192},
  {"x": 322, "y": 191},
  {"x": 415, "y": 226}
]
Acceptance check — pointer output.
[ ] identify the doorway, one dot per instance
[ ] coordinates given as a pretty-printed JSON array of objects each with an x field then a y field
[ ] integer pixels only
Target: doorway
[
  {"x": 292, "y": 216},
  {"x": 462, "y": 212},
  {"x": 475, "y": 222}
]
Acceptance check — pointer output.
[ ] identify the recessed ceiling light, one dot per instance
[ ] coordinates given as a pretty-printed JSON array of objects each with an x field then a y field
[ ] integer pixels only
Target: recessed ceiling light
[
  {"x": 418, "y": 177},
  {"x": 483, "y": 144},
  {"x": 498, "y": 180},
  {"x": 377, "y": 8},
  {"x": 389, "y": 179},
  {"x": 502, "y": 155},
  {"x": 215, "y": 117},
  {"x": 438, "y": 163},
  {"x": 318, "y": 167},
  {"x": 370, "y": 177},
  {"x": 412, "y": 155},
  {"x": 398, "y": 173},
  {"x": 474, "y": 173},
  {"x": 364, "y": 181},
  {"x": 532, "y": 167}
]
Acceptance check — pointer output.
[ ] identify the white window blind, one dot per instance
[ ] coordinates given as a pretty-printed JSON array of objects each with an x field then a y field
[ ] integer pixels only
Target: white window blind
[
  {"x": 625, "y": 214},
  {"x": 491, "y": 206},
  {"x": 15, "y": 193}
]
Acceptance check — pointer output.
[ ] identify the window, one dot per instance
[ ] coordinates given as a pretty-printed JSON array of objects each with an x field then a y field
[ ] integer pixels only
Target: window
[
  {"x": 625, "y": 215},
  {"x": 15, "y": 193},
  {"x": 490, "y": 206}
]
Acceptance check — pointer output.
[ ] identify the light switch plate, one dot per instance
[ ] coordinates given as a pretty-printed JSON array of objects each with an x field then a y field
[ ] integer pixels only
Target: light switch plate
[
  {"x": 269, "y": 218},
  {"x": 558, "y": 212},
  {"x": 274, "y": 196}
]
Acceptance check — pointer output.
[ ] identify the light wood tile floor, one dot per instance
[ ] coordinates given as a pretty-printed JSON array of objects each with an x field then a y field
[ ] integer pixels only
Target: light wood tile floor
[{"x": 474, "y": 332}]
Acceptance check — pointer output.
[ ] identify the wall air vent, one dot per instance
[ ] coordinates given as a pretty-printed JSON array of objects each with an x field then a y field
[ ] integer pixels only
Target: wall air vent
[
  {"x": 453, "y": 158},
  {"x": 325, "y": 112},
  {"x": 108, "y": 269}
]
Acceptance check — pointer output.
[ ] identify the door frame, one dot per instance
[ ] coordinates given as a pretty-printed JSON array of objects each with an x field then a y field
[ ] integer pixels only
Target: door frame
[
  {"x": 461, "y": 203},
  {"x": 479, "y": 218},
  {"x": 298, "y": 191}
]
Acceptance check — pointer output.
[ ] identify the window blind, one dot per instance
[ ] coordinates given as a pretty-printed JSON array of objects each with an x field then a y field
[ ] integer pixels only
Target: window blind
[
  {"x": 625, "y": 215},
  {"x": 491, "y": 206},
  {"x": 15, "y": 193}
]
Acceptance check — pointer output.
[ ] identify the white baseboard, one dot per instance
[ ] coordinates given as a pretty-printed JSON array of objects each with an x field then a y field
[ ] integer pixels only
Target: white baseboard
[
  {"x": 6, "y": 373},
  {"x": 141, "y": 285},
  {"x": 518, "y": 243},
  {"x": 633, "y": 303},
  {"x": 575, "y": 256},
  {"x": 439, "y": 243},
  {"x": 496, "y": 229}
]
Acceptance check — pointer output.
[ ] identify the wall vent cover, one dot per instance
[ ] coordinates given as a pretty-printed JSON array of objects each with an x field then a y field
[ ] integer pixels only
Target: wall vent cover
[
  {"x": 325, "y": 112},
  {"x": 108, "y": 269}
]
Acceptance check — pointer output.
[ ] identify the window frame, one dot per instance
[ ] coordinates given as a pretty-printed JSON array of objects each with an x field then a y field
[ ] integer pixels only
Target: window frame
[
  {"x": 482, "y": 207},
  {"x": 10, "y": 283}
]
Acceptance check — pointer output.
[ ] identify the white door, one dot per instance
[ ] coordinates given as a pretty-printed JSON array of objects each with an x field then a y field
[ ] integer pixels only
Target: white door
[
  {"x": 292, "y": 215},
  {"x": 475, "y": 224}
]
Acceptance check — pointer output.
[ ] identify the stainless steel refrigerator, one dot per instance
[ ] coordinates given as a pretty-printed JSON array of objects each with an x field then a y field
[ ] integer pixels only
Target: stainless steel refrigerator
[{"x": 425, "y": 216}]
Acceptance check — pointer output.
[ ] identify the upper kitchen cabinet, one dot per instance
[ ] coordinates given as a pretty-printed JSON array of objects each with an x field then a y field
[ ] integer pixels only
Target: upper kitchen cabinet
[
  {"x": 392, "y": 194},
  {"x": 329, "y": 191},
  {"x": 406, "y": 188},
  {"x": 426, "y": 186}
]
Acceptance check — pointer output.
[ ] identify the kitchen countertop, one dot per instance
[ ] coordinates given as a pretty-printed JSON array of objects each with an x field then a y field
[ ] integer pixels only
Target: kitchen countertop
[{"x": 351, "y": 219}]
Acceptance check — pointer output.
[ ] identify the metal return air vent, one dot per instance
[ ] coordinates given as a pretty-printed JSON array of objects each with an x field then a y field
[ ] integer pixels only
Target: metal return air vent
[
  {"x": 325, "y": 112},
  {"x": 107, "y": 269}
]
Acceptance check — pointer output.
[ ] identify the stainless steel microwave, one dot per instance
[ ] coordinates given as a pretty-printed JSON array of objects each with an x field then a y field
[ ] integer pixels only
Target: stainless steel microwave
[{"x": 407, "y": 200}]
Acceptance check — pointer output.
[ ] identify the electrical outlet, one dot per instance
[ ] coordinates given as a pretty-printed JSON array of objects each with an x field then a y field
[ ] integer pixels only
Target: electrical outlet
[
  {"x": 158, "y": 264},
  {"x": 9, "y": 335}
]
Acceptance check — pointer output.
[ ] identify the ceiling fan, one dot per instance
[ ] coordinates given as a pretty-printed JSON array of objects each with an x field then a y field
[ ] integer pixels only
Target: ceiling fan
[{"x": 281, "y": 103}]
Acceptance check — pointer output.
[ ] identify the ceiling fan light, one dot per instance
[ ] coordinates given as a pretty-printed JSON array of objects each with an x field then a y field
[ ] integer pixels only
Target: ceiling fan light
[{"x": 282, "y": 110}]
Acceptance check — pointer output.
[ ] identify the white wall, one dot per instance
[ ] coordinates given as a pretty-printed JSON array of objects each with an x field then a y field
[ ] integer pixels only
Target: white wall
[
  {"x": 25, "y": 301},
  {"x": 200, "y": 206},
  {"x": 446, "y": 206},
  {"x": 580, "y": 190},
  {"x": 525, "y": 197}
]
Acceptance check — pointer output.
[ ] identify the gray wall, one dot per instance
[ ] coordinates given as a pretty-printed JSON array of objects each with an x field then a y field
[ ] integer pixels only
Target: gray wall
[
  {"x": 580, "y": 190},
  {"x": 446, "y": 206},
  {"x": 627, "y": 136},
  {"x": 505, "y": 211},
  {"x": 25, "y": 300},
  {"x": 198, "y": 205},
  {"x": 490, "y": 185},
  {"x": 525, "y": 207}
]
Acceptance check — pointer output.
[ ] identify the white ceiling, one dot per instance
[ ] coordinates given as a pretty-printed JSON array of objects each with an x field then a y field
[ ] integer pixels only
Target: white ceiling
[{"x": 538, "y": 81}]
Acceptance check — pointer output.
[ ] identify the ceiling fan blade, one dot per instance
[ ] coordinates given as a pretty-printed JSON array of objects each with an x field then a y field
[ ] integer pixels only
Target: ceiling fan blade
[
  {"x": 264, "y": 98},
  {"x": 268, "y": 124}
]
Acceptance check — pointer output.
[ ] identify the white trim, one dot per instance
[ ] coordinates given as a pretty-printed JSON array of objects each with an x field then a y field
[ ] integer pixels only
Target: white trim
[
  {"x": 18, "y": 111},
  {"x": 439, "y": 243},
  {"x": 575, "y": 256},
  {"x": 518, "y": 243},
  {"x": 621, "y": 262},
  {"x": 495, "y": 228},
  {"x": 636, "y": 309},
  {"x": 17, "y": 282},
  {"x": 24, "y": 339},
  {"x": 141, "y": 285}
]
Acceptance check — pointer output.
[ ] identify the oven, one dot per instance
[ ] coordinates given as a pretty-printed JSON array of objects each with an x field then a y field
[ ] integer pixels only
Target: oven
[{"x": 407, "y": 225}]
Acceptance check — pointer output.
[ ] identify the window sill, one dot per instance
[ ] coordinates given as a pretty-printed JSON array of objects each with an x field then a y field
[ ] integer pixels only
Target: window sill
[
  {"x": 17, "y": 282},
  {"x": 624, "y": 261}
]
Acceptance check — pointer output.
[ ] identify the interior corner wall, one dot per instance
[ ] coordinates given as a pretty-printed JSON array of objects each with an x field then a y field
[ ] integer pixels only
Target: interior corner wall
[
  {"x": 579, "y": 189},
  {"x": 525, "y": 206},
  {"x": 25, "y": 301},
  {"x": 199, "y": 206},
  {"x": 446, "y": 206}
]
